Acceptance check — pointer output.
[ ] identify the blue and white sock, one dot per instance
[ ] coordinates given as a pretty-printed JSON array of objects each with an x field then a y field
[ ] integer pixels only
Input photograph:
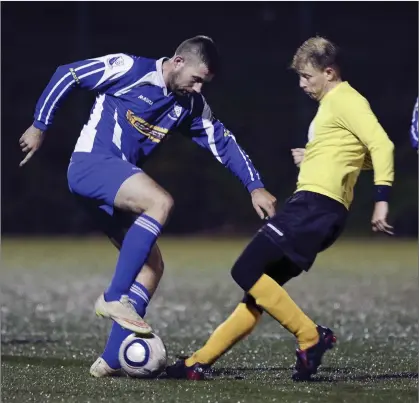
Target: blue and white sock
[
  {"x": 140, "y": 298},
  {"x": 134, "y": 252}
]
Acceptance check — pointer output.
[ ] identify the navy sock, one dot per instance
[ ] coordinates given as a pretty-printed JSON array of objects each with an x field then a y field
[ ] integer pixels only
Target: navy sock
[
  {"x": 140, "y": 298},
  {"x": 134, "y": 252}
]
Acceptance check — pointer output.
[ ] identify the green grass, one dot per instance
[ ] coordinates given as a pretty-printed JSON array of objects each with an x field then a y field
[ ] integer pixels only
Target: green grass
[{"x": 365, "y": 290}]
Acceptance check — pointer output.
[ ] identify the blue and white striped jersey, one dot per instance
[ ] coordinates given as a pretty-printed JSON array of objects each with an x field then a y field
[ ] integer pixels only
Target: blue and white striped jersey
[
  {"x": 134, "y": 113},
  {"x": 414, "y": 127}
]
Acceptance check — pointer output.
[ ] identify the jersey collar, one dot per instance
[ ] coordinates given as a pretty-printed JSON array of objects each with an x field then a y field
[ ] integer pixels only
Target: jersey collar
[{"x": 159, "y": 69}]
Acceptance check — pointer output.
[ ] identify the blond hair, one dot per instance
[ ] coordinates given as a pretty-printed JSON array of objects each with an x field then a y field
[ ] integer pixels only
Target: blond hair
[{"x": 317, "y": 51}]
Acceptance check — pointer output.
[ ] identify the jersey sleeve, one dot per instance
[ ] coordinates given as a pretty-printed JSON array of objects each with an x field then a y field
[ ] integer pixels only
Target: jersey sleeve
[
  {"x": 211, "y": 134},
  {"x": 414, "y": 127},
  {"x": 92, "y": 74},
  {"x": 356, "y": 116},
  {"x": 367, "y": 164}
]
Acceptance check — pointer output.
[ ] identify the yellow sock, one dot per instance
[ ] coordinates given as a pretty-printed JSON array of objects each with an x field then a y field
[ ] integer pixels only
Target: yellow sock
[
  {"x": 237, "y": 326},
  {"x": 275, "y": 300}
]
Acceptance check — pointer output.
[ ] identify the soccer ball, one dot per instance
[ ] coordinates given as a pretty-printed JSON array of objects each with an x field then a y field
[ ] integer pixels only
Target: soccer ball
[{"x": 143, "y": 357}]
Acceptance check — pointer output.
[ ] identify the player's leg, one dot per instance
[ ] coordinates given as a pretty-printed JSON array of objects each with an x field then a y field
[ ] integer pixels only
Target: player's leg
[
  {"x": 242, "y": 321},
  {"x": 248, "y": 272},
  {"x": 140, "y": 195},
  {"x": 117, "y": 183},
  {"x": 304, "y": 226},
  {"x": 308, "y": 223},
  {"x": 313, "y": 340},
  {"x": 140, "y": 295},
  {"x": 115, "y": 224},
  {"x": 234, "y": 329}
]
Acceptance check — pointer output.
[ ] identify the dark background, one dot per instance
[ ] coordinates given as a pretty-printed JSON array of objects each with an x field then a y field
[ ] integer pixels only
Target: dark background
[{"x": 255, "y": 95}]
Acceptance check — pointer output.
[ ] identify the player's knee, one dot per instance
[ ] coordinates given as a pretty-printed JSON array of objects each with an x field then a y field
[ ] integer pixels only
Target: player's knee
[
  {"x": 251, "y": 304},
  {"x": 235, "y": 273},
  {"x": 134, "y": 205},
  {"x": 251, "y": 264},
  {"x": 164, "y": 203},
  {"x": 244, "y": 275},
  {"x": 159, "y": 207}
]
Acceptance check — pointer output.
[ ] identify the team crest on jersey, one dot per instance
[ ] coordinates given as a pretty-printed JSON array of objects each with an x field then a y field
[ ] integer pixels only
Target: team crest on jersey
[
  {"x": 177, "y": 111},
  {"x": 116, "y": 61},
  {"x": 154, "y": 133}
]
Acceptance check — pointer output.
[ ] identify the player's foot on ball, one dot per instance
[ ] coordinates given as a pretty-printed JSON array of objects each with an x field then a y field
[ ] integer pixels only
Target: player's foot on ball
[
  {"x": 308, "y": 361},
  {"x": 122, "y": 312},
  {"x": 101, "y": 369},
  {"x": 180, "y": 370}
]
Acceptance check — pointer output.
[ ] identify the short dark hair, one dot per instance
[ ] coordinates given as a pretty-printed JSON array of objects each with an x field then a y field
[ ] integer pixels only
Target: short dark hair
[
  {"x": 202, "y": 47},
  {"x": 319, "y": 52}
]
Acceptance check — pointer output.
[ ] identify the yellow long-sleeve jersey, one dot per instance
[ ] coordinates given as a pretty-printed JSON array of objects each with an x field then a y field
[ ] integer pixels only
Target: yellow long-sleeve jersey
[{"x": 343, "y": 136}]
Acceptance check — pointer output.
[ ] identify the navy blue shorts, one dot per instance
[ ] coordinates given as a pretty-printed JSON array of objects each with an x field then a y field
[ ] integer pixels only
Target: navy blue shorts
[{"x": 307, "y": 224}]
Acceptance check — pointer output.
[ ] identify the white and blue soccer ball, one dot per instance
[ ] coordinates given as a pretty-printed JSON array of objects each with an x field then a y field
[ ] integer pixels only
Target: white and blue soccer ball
[{"x": 143, "y": 357}]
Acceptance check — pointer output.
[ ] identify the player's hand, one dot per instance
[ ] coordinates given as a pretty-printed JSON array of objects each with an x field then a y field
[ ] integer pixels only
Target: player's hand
[
  {"x": 30, "y": 141},
  {"x": 379, "y": 218},
  {"x": 298, "y": 155},
  {"x": 262, "y": 199}
]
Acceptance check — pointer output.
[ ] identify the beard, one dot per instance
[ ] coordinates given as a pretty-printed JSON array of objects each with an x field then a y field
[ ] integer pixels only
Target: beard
[{"x": 174, "y": 86}]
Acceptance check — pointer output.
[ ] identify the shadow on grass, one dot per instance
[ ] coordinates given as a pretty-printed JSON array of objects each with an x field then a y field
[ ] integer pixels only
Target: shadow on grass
[{"x": 335, "y": 374}]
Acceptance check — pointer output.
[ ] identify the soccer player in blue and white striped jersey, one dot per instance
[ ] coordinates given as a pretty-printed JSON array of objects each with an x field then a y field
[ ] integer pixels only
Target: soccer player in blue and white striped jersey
[
  {"x": 414, "y": 127},
  {"x": 140, "y": 103}
]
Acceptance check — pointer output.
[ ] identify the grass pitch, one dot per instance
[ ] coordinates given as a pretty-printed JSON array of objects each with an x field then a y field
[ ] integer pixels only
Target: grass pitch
[{"x": 366, "y": 291}]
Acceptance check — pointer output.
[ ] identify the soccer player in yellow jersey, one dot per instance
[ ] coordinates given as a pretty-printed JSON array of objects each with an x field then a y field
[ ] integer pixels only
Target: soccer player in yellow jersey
[{"x": 344, "y": 138}]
